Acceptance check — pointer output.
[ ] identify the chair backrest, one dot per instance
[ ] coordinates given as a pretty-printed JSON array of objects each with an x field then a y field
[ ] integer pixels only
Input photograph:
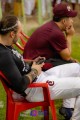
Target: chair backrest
[
  {"x": 1, "y": 78},
  {"x": 22, "y": 41},
  {"x": 6, "y": 88}
]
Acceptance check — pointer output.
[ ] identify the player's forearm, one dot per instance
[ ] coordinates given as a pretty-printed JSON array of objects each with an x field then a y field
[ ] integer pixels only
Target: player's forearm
[
  {"x": 69, "y": 38},
  {"x": 69, "y": 33}
]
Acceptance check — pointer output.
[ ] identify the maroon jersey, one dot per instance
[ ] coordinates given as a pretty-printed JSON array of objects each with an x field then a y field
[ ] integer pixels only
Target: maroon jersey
[{"x": 47, "y": 41}]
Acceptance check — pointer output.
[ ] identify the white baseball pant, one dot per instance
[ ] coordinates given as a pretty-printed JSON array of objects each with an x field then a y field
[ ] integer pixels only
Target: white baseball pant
[{"x": 66, "y": 80}]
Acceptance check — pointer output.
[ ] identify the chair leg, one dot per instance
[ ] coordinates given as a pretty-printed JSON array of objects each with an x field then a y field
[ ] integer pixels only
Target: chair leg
[
  {"x": 46, "y": 112},
  {"x": 53, "y": 110},
  {"x": 11, "y": 113}
]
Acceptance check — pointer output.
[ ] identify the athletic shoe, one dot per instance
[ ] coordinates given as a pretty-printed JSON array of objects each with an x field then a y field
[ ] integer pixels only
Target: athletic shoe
[{"x": 66, "y": 112}]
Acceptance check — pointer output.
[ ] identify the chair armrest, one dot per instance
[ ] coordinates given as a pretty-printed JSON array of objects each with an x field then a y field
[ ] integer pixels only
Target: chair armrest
[
  {"x": 38, "y": 85},
  {"x": 45, "y": 89}
]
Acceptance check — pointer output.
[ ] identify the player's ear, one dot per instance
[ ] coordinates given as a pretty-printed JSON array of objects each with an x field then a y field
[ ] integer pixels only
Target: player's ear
[
  {"x": 12, "y": 34},
  {"x": 63, "y": 21}
]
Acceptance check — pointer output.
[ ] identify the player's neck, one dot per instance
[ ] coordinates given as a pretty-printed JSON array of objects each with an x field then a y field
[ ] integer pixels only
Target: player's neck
[
  {"x": 5, "y": 40},
  {"x": 59, "y": 25}
]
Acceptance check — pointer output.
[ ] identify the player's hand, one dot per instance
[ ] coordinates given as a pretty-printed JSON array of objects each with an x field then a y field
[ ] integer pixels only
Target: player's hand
[
  {"x": 39, "y": 59},
  {"x": 70, "y": 30},
  {"x": 75, "y": 60},
  {"x": 38, "y": 67}
]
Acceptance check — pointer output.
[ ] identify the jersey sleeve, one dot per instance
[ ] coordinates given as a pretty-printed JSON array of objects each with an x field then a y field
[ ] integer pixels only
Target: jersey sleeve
[{"x": 8, "y": 66}]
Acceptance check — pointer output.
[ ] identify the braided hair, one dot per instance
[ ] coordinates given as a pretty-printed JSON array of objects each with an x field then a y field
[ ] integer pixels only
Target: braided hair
[{"x": 8, "y": 23}]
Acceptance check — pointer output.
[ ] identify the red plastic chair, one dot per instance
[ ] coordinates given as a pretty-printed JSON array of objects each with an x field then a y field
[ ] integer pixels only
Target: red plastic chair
[{"x": 14, "y": 107}]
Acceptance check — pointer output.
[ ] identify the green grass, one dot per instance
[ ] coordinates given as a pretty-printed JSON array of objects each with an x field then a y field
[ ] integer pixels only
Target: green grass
[
  {"x": 58, "y": 103},
  {"x": 76, "y": 47}
]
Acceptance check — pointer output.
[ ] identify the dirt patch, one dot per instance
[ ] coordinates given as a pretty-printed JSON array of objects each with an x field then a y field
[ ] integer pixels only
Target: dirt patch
[{"x": 32, "y": 22}]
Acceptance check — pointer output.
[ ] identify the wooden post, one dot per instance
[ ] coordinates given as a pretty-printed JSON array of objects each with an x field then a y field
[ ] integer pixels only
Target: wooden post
[
  {"x": 40, "y": 20},
  {"x": 0, "y": 10}
]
